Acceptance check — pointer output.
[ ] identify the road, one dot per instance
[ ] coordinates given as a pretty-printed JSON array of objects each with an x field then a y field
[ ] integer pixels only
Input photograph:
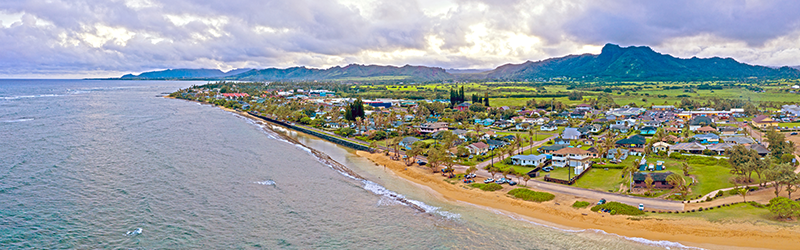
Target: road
[{"x": 591, "y": 195}]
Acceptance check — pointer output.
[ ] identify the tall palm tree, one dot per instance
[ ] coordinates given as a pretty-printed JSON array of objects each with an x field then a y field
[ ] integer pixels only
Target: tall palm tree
[{"x": 678, "y": 183}]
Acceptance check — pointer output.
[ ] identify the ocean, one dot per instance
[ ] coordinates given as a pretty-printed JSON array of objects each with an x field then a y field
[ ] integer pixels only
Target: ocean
[{"x": 109, "y": 164}]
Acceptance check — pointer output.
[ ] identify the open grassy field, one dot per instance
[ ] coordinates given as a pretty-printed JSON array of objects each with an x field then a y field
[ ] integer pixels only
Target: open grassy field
[{"x": 735, "y": 213}]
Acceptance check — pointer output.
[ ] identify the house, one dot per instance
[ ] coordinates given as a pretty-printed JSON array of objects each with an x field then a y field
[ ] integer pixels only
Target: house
[
  {"x": 659, "y": 180},
  {"x": 648, "y": 130},
  {"x": 485, "y": 122},
  {"x": 591, "y": 128},
  {"x": 478, "y": 148},
  {"x": 571, "y": 134},
  {"x": 673, "y": 130},
  {"x": 548, "y": 127},
  {"x": 663, "y": 107},
  {"x": 670, "y": 139},
  {"x": 661, "y": 146},
  {"x": 408, "y": 141},
  {"x": 622, "y": 129},
  {"x": 706, "y": 138},
  {"x": 464, "y": 106},
  {"x": 561, "y": 141},
  {"x": 234, "y": 95},
  {"x": 634, "y": 141},
  {"x": 529, "y": 160},
  {"x": 706, "y": 130},
  {"x": 583, "y": 107},
  {"x": 699, "y": 122},
  {"x": 728, "y": 130},
  {"x": 626, "y": 112},
  {"x": 523, "y": 126},
  {"x": 720, "y": 148},
  {"x": 561, "y": 122},
  {"x": 432, "y": 127},
  {"x": 763, "y": 121},
  {"x": 791, "y": 110},
  {"x": 493, "y": 144},
  {"x": 689, "y": 147},
  {"x": 552, "y": 148},
  {"x": 617, "y": 154},
  {"x": 739, "y": 140},
  {"x": 762, "y": 151},
  {"x": 572, "y": 157}
]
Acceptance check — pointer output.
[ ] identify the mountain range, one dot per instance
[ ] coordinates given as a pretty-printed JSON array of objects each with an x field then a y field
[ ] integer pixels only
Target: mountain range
[{"x": 614, "y": 63}]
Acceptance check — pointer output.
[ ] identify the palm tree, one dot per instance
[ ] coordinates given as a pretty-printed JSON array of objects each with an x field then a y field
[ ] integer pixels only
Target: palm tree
[
  {"x": 374, "y": 146},
  {"x": 678, "y": 183},
  {"x": 685, "y": 167},
  {"x": 471, "y": 169},
  {"x": 395, "y": 144},
  {"x": 743, "y": 191},
  {"x": 649, "y": 182},
  {"x": 630, "y": 169}
]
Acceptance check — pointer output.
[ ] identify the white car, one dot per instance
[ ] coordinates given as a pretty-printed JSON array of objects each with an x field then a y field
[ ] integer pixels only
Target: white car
[{"x": 641, "y": 206}]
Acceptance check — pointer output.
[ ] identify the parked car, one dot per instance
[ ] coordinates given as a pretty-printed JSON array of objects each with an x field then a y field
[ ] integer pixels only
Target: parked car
[
  {"x": 512, "y": 183},
  {"x": 547, "y": 169},
  {"x": 490, "y": 180},
  {"x": 601, "y": 202},
  {"x": 641, "y": 206},
  {"x": 420, "y": 162},
  {"x": 501, "y": 180},
  {"x": 793, "y": 133}
]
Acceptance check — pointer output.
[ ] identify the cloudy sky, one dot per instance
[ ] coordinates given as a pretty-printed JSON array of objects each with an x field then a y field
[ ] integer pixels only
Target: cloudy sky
[{"x": 77, "y": 38}]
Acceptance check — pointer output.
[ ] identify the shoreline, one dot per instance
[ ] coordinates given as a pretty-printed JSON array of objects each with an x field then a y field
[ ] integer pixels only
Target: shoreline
[{"x": 559, "y": 214}]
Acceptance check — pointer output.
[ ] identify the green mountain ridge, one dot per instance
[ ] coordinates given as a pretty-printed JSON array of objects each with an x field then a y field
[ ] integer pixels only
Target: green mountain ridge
[{"x": 614, "y": 63}]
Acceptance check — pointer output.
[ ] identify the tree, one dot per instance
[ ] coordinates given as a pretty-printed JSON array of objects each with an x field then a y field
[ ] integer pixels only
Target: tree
[
  {"x": 779, "y": 175},
  {"x": 395, "y": 144},
  {"x": 434, "y": 158},
  {"x": 686, "y": 168},
  {"x": 678, "y": 183},
  {"x": 508, "y": 171},
  {"x": 477, "y": 107},
  {"x": 374, "y": 146},
  {"x": 649, "y": 182},
  {"x": 783, "y": 207},
  {"x": 743, "y": 192},
  {"x": 416, "y": 150},
  {"x": 486, "y": 100},
  {"x": 492, "y": 170},
  {"x": 526, "y": 178},
  {"x": 355, "y": 109},
  {"x": 471, "y": 169},
  {"x": 630, "y": 169}
]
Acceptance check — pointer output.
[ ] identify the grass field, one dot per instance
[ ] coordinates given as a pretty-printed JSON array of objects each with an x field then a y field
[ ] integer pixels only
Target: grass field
[{"x": 735, "y": 213}]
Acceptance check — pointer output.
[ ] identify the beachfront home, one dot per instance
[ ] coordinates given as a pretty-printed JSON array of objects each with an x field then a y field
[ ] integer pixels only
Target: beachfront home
[
  {"x": 529, "y": 160},
  {"x": 740, "y": 140},
  {"x": 720, "y": 148},
  {"x": 689, "y": 147},
  {"x": 659, "y": 180},
  {"x": 573, "y": 157}
]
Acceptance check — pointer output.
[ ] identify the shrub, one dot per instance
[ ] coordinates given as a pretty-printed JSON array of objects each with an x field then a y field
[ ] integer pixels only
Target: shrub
[
  {"x": 719, "y": 194},
  {"x": 581, "y": 204},
  {"x": 530, "y": 195},
  {"x": 734, "y": 191},
  {"x": 709, "y": 198},
  {"x": 487, "y": 187},
  {"x": 619, "y": 208}
]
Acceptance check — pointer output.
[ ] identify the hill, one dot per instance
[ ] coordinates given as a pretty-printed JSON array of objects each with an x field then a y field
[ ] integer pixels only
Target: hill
[
  {"x": 349, "y": 72},
  {"x": 616, "y": 63},
  {"x": 181, "y": 74}
]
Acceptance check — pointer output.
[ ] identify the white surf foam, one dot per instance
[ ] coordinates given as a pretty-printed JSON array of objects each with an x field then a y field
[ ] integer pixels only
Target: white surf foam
[
  {"x": 18, "y": 120},
  {"x": 27, "y": 96},
  {"x": 266, "y": 183}
]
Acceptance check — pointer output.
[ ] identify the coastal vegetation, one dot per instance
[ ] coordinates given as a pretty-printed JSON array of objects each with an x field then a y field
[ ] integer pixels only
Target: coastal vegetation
[
  {"x": 618, "y": 208},
  {"x": 530, "y": 195},
  {"x": 487, "y": 187},
  {"x": 581, "y": 204}
]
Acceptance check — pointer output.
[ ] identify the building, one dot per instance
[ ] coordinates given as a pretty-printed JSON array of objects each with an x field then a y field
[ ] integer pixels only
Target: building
[
  {"x": 626, "y": 112},
  {"x": 663, "y": 107},
  {"x": 478, "y": 148},
  {"x": 234, "y": 95},
  {"x": 634, "y": 141},
  {"x": 648, "y": 130},
  {"x": 706, "y": 129},
  {"x": 659, "y": 180},
  {"x": 464, "y": 106},
  {"x": 432, "y": 127},
  {"x": 661, "y": 146},
  {"x": 739, "y": 140},
  {"x": 408, "y": 141},
  {"x": 572, "y": 157},
  {"x": 706, "y": 138},
  {"x": 529, "y": 160},
  {"x": 699, "y": 122},
  {"x": 791, "y": 110},
  {"x": 571, "y": 134},
  {"x": 689, "y": 147},
  {"x": 763, "y": 121},
  {"x": 552, "y": 148}
]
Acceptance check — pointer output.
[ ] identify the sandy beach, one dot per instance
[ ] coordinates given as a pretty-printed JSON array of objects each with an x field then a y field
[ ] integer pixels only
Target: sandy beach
[{"x": 559, "y": 213}]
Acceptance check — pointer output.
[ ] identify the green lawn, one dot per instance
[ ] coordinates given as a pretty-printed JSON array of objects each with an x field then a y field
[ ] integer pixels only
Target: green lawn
[
  {"x": 520, "y": 170},
  {"x": 789, "y": 124},
  {"x": 599, "y": 179},
  {"x": 735, "y": 213}
]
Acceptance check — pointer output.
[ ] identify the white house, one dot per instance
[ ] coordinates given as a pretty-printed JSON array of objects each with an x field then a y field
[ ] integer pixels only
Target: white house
[{"x": 529, "y": 160}]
